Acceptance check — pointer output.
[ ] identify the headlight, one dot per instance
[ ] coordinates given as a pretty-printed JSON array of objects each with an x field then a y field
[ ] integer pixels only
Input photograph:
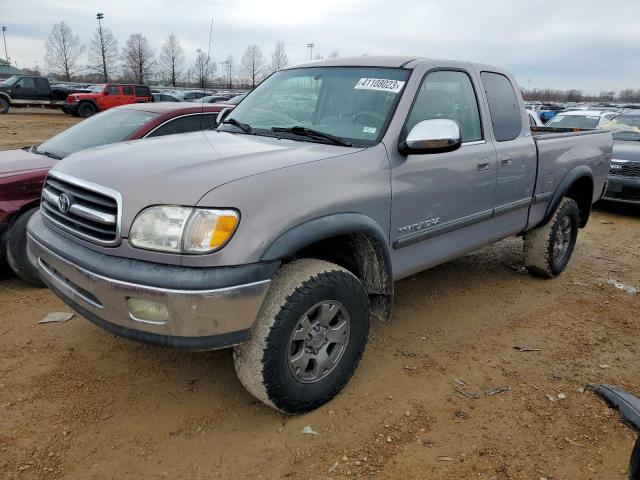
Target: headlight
[{"x": 183, "y": 229}]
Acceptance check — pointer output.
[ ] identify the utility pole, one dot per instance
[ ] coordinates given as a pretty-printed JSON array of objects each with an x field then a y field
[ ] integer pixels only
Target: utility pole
[
  {"x": 4, "y": 29},
  {"x": 201, "y": 67},
  {"x": 310, "y": 47},
  {"x": 100, "y": 16}
]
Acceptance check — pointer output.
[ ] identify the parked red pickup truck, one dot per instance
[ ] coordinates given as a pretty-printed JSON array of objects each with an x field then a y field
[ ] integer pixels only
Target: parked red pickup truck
[{"x": 105, "y": 96}]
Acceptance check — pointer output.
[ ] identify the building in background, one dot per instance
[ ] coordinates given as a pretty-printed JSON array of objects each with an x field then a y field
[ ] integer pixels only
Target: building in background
[{"x": 7, "y": 70}]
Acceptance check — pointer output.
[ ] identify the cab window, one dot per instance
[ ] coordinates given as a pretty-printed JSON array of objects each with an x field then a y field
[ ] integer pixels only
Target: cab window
[
  {"x": 25, "y": 82},
  {"x": 448, "y": 94},
  {"x": 127, "y": 90},
  {"x": 504, "y": 107},
  {"x": 190, "y": 123}
]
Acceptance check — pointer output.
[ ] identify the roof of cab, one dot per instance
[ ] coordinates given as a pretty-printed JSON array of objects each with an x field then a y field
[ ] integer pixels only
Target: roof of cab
[{"x": 363, "y": 61}]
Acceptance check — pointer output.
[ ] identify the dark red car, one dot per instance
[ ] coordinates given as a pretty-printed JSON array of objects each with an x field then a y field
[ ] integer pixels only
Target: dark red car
[
  {"x": 22, "y": 172},
  {"x": 105, "y": 96}
]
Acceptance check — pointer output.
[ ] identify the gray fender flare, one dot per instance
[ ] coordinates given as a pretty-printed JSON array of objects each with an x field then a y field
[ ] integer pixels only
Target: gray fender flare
[
  {"x": 577, "y": 173},
  {"x": 311, "y": 231}
]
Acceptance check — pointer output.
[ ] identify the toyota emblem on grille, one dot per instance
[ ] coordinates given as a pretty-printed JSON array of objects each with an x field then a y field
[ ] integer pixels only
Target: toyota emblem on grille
[{"x": 64, "y": 202}]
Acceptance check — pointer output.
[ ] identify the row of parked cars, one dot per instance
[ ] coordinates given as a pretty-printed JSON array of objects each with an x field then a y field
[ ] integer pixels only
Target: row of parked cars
[{"x": 29, "y": 91}]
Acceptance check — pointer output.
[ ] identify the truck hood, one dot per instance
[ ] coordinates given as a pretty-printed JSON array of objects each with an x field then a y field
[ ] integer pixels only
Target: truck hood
[
  {"x": 181, "y": 169},
  {"x": 16, "y": 162},
  {"x": 626, "y": 151}
]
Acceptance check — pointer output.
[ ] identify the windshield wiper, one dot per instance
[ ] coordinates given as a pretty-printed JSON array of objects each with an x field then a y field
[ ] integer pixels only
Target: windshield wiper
[
  {"x": 245, "y": 127},
  {"x": 309, "y": 132},
  {"x": 47, "y": 154}
]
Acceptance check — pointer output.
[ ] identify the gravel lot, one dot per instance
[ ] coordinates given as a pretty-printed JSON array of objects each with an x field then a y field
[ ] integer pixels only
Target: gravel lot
[{"x": 79, "y": 403}]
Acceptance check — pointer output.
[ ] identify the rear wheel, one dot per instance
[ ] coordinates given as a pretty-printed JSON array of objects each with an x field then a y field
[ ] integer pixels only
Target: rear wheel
[
  {"x": 548, "y": 249},
  {"x": 4, "y": 106},
  {"x": 17, "y": 252},
  {"x": 308, "y": 338},
  {"x": 86, "y": 109}
]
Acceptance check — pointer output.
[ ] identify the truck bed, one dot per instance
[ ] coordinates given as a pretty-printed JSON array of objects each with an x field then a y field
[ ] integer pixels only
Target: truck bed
[{"x": 561, "y": 150}]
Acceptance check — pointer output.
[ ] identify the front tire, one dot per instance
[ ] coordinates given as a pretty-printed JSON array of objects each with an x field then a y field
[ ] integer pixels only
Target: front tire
[
  {"x": 86, "y": 109},
  {"x": 308, "y": 339},
  {"x": 548, "y": 249},
  {"x": 4, "y": 106},
  {"x": 17, "y": 251}
]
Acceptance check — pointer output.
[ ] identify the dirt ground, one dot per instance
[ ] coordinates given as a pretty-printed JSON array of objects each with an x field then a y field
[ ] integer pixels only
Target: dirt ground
[{"x": 79, "y": 403}]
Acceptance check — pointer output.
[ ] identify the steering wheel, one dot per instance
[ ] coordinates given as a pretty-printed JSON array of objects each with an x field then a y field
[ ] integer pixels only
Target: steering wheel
[{"x": 375, "y": 116}]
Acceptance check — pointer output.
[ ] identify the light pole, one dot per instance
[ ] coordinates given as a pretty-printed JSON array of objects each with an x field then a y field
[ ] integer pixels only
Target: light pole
[
  {"x": 310, "y": 47},
  {"x": 201, "y": 67},
  {"x": 4, "y": 29},
  {"x": 100, "y": 16}
]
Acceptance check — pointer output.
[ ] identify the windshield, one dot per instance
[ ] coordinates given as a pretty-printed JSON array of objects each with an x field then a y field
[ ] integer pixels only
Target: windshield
[
  {"x": 625, "y": 128},
  {"x": 351, "y": 103},
  {"x": 10, "y": 81},
  {"x": 97, "y": 88},
  {"x": 107, "y": 127},
  {"x": 574, "y": 121}
]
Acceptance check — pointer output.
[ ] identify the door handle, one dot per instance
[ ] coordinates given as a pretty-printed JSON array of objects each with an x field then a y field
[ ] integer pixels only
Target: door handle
[
  {"x": 506, "y": 162},
  {"x": 484, "y": 163}
]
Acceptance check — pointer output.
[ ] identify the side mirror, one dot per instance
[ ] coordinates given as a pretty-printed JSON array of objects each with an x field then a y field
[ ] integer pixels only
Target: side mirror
[
  {"x": 222, "y": 115},
  {"x": 432, "y": 136},
  {"x": 16, "y": 86}
]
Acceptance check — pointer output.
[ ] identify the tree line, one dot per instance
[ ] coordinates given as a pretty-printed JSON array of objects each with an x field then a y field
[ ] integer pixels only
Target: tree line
[{"x": 69, "y": 59}]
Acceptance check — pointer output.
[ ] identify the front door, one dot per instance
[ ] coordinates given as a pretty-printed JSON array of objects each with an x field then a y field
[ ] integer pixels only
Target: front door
[
  {"x": 24, "y": 90},
  {"x": 442, "y": 203}
]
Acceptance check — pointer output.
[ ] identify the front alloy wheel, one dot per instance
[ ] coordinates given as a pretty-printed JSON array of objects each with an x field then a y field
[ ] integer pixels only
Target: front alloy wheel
[{"x": 308, "y": 338}]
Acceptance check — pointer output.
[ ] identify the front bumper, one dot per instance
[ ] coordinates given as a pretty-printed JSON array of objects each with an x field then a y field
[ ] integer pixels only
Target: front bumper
[
  {"x": 216, "y": 315},
  {"x": 622, "y": 189}
]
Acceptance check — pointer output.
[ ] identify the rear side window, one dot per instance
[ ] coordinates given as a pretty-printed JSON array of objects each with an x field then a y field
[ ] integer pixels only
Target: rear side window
[
  {"x": 127, "y": 90},
  {"x": 142, "y": 91},
  {"x": 448, "y": 95},
  {"x": 42, "y": 84},
  {"x": 189, "y": 123},
  {"x": 503, "y": 106}
]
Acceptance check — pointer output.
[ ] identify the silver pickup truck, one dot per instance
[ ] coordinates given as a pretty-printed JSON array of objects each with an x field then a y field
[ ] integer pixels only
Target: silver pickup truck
[{"x": 282, "y": 232}]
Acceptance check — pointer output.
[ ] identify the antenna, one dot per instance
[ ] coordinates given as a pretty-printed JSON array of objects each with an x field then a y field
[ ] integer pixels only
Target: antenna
[{"x": 206, "y": 73}]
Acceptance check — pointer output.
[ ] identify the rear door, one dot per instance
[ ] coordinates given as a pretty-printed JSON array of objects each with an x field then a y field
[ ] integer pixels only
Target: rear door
[
  {"x": 42, "y": 89},
  {"x": 442, "y": 203},
  {"x": 516, "y": 154},
  {"x": 128, "y": 95}
]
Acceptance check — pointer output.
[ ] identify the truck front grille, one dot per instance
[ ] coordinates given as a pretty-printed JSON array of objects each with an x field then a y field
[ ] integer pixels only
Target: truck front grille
[
  {"x": 80, "y": 209},
  {"x": 628, "y": 169}
]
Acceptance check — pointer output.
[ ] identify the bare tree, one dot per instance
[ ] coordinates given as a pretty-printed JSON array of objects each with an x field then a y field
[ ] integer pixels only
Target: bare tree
[
  {"x": 227, "y": 71},
  {"x": 172, "y": 59},
  {"x": 334, "y": 54},
  {"x": 64, "y": 50},
  {"x": 203, "y": 69},
  {"x": 279, "y": 58},
  {"x": 103, "y": 53},
  {"x": 138, "y": 57},
  {"x": 252, "y": 64}
]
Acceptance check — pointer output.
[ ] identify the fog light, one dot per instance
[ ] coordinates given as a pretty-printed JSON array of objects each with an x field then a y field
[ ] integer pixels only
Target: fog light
[{"x": 147, "y": 310}]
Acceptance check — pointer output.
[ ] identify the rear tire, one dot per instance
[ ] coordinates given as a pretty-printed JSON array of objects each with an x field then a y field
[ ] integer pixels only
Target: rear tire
[
  {"x": 4, "y": 106},
  {"x": 17, "y": 251},
  {"x": 634, "y": 463},
  {"x": 308, "y": 339},
  {"x": 548, "y": 249},
  {"x": 86, "y": 109}
]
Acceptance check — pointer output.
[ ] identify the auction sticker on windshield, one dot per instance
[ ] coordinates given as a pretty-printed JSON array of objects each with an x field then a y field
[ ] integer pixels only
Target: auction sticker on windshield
[{"x": 382, "y": 84}]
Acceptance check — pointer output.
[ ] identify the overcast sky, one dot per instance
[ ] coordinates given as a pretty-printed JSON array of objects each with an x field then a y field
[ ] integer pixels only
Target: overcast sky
[{"x": 585, "y": 44}]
